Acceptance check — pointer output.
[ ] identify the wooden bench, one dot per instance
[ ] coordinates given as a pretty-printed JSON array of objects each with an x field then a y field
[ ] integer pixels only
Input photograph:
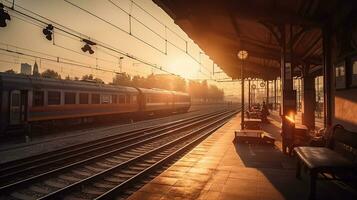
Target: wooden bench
[
  {"x": 254, "y": 114},
  {"x": 332, "y": 162},
  {"x": 243, "y": 136},
  {"x": 254, "y": 124},
  {"x": 253, "y": 136}
]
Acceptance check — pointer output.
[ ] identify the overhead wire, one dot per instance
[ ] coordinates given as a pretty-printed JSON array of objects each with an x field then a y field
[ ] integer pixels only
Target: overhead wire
[
  {"x": 115, "y": 26},
  {"x": 80, "y": 35}
]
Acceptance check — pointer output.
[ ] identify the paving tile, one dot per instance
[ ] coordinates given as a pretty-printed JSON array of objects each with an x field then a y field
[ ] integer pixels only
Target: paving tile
[
  {"x": 219, "y": 169},
  {"x": 165, "y": 180},
  {"x": 139, "y": 195},
  {"x": 156, "y": 188},
  {"x": 217, "y": 186}
]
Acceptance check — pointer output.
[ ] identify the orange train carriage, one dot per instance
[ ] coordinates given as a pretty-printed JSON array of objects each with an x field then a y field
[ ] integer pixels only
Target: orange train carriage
[{"x": 27, "y": 99}]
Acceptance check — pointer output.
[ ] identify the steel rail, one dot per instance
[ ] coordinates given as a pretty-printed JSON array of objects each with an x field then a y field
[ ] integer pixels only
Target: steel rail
[
  {"x": 27, "y": 164},
  {"x": 33, "y": 179},
  {"x": 64, "y": 191}
]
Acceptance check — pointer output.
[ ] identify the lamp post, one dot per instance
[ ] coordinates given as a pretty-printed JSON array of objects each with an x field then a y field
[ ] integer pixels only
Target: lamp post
[
  {"x": 249, "y": 94},
  {"x": 121, "y": 64},
  {"x": 242, "y": 55}
]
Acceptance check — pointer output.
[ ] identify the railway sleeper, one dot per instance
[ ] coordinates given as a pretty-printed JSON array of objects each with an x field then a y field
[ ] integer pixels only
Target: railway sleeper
[
  {"x": 56, "y": 183},
  {"x": 105, "y": 164},
  {"x": 94, "y": 190},
  {"x": 129, "y": 171},
  {"x": 115, "y": 161},
  {"x": 70, "y": 178},
  {"x": 104, "y": 184},
  {"x": 82, "y": 172},
  {"x": 95, "y": 168},
  {"x": 115, "y": 179}
]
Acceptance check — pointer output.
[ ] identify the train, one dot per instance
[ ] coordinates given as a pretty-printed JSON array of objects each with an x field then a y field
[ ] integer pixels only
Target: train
[{"x": 28, "y": 100}]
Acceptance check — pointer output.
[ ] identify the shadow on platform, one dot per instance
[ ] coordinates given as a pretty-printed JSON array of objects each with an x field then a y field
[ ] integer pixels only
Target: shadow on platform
[{"x": 277, "y": 172}]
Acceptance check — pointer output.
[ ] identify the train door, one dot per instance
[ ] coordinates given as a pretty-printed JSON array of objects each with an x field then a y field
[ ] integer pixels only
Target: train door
[{"x": 18, "y": 107}]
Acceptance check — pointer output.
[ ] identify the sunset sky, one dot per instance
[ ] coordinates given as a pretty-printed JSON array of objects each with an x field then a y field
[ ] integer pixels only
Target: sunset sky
[{"x": 23, "y": 34}]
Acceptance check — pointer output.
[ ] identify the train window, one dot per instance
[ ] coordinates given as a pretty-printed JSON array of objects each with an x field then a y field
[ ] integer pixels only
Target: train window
[
  {"x": 354, "y": 73},
  {"x": 114, "y": 99},
  {"x": 38, "y": 98},
  {"x": 121, "y": 99},
  {"x": 53, "y": 98},
  {"x": 95, "y": 98},
  {"x": 105, "y": 99},
  {"x": 69, "y": 98},
  {"x": 83, "y": 98},
  {"x": 15, "y": 99},
  {"x": 135, "y": 99},
  {"x": 128, "y": 99}
]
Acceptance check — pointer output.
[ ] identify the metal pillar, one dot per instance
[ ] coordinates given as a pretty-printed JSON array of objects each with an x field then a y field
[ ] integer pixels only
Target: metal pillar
[
  {"x": 267, "y": 102},
  {"x": 242, "y": 109},
  {"x": 327, "y": 70},
  {"x": 275, "y": 100},
  {"x": 308, "y": 111},
  {"x": 288, "y": 100},
  {"x": 249, "y": 95}
]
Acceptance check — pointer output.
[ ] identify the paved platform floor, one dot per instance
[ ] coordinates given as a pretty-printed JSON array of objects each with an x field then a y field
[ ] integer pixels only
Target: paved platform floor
[{"x": 219, "y": 169}]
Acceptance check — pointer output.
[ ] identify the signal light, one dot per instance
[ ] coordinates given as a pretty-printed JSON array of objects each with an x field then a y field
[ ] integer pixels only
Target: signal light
[
  {"x": 48, "y": 31},
  {"x": 88, "y": 46},
  {"x": 3, "y": 16}
]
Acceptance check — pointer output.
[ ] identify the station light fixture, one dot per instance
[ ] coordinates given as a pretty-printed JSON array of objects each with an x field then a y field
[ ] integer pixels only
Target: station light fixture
[
  {"x": 48, "y": 31},
  {"x": 3, "y": 16},
  {"x": 88, "y": 46},
  {"x": 242, "y": 54}
]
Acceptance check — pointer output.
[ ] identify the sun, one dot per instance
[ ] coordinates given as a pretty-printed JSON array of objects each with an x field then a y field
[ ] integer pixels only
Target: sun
[{"x": 185, "y": 67}]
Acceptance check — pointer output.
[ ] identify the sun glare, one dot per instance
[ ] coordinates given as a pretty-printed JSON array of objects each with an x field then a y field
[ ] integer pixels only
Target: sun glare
[{"x": 183, "y": 67}]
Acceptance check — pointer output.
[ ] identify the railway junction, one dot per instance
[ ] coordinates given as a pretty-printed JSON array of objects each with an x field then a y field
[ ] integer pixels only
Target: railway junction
[{"x": 229, "y": 153}]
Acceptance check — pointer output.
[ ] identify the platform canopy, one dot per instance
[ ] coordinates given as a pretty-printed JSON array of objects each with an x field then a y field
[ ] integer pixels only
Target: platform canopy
[{"x": 223, "y": 27}]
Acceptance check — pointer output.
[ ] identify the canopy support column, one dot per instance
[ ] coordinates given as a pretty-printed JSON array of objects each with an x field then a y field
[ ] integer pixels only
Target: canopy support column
[
  {"x": 308, "y": 112},
  {"x": 327, "y": 70},
  {"x": 289, "y": 97}
]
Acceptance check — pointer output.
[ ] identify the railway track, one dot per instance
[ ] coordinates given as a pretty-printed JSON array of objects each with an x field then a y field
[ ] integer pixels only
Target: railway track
[
  {"x": 101, "y": 168},
  {"x": 28, "y": 166}
]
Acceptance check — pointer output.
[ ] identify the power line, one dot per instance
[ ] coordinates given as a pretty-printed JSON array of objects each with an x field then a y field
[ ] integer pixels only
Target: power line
[
  {"x": 80, "y": 36},
  {"x": 58, "y": 60},
  {"x": 115, "y": 26}
]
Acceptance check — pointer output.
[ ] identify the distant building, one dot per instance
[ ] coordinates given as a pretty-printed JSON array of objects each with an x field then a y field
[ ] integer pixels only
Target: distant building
[
  {"x": 35, "y": 70},
  {"x": 26, "y": 69}
]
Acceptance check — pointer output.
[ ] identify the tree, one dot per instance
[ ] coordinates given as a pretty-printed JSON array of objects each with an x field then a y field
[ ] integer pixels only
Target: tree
[
  {"x": 10, "y": 71},
  {"x": 179, "y": 84},
  {"x": 91, "y": 78},
  {"x": 122, "y": 79},
  {"x": 151, "y": 82},
  {"x": 49, "y": 73},
  {"x": 138, "y": 81},
  {"x": 98, "y": 80},
  {"x": 205, "y": 92},
  {"x": 88, "y": 77}
]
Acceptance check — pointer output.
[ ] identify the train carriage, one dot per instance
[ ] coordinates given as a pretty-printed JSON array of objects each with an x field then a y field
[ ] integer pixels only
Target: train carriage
[
  {"x": 28, "y": 99},
  {"x": 182, "y": 101},
  {"x": 157, "y": 100}
]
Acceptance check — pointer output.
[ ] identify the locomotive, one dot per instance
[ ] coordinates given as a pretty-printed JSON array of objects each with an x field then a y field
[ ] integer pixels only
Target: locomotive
[{"x": 25, "y": 100}]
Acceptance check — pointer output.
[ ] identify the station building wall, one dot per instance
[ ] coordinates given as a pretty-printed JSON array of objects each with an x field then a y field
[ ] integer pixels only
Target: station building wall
[{"x": 344, "y": 101}]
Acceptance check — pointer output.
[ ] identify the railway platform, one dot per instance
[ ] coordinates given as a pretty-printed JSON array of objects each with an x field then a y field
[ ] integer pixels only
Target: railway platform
[{"x": 218, "y": 168}]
